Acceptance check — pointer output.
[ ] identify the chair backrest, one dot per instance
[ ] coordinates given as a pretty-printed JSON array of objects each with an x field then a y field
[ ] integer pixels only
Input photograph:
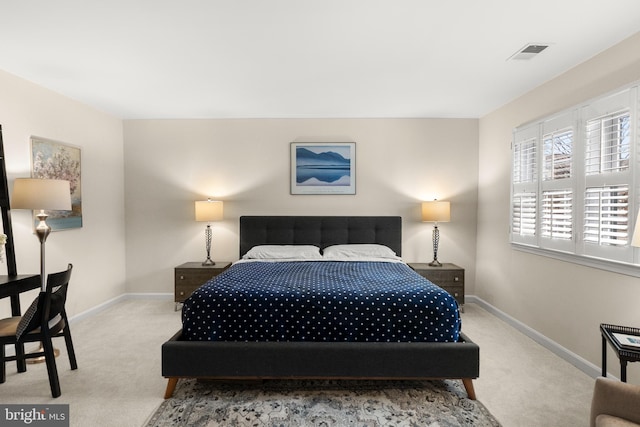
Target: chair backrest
[
  {"x": 48, "y": 304},
  {"x": 55, "y": 296}
]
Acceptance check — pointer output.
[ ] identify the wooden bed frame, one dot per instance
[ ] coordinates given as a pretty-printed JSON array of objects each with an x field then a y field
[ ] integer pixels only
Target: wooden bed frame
[{"x": 319, "y": 360}]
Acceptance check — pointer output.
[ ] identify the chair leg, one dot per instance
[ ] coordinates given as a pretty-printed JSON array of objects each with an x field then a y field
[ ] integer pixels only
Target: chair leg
[
  {"x": 52, "y": 370},
  {"x": 69, "y": 342},
  {"x": 21, "y": 361},
  {"x": 3, "y": 368}
]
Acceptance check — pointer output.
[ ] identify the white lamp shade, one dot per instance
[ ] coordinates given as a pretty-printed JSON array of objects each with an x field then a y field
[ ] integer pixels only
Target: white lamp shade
[
  {"x": 436, "y": 211},
  {"x": 44, "y": 194},
  {"x": 209, "y": 210},
  {"x": 635, "y": 239}
]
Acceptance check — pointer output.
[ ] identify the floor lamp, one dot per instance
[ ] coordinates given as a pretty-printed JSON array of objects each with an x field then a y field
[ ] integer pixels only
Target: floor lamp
[
  {"x": 635, "y": 238},
  {"x": 436, "y": 212},
  {"x": 209, "y": 210},
  {"x": 41, "y": 194}
]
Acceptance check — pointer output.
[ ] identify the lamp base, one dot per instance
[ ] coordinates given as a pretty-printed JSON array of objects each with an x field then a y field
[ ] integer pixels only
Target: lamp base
[
  {"x": 207, "y": 234},
  {"x": 436, "y": 240},
  {"x": 41, "y": 359}
]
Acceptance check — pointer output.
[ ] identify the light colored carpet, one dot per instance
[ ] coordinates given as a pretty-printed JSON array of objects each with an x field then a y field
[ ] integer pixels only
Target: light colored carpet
[
  {"x": 119, "y": 381},
  {"x": 279, "y": 403}
]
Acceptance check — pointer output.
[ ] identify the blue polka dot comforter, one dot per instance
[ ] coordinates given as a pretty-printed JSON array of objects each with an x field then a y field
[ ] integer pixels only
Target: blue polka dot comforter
[{"x": 327, "y": 301}]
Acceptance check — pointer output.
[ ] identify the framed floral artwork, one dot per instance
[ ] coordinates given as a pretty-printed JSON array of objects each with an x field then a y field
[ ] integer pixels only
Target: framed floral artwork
[
  {"x": 323, "y": 168},
  {"x": 55, "y": 160}
]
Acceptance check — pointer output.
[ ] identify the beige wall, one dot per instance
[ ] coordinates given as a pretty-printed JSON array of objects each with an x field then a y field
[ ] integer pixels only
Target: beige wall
[
  {"x": 171, "y": 163},
  {"x": 563, "y": 301},
  {"x": 97, "y": 249},
  {"x": 168, "y": 164}
]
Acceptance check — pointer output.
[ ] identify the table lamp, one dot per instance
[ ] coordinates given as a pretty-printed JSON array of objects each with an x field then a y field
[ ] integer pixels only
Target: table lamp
[
  {"x": 635, "y": 239},
  {"x": 209, "y": 210},
  {"x": 41, "y": 194},
  {"x": 436, "y": 212}
]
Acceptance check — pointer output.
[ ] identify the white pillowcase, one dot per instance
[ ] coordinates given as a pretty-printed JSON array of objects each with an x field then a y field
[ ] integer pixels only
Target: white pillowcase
[
  {"x": 358, "y": 251},
  {"x": 283, "y": 252}
]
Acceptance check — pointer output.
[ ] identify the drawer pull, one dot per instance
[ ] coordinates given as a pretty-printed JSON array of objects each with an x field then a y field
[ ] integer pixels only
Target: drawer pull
[
  {"x": 181, "y": 293},
  {"x": 181, "y": 277},
  {"x": 456, "y": 279}
]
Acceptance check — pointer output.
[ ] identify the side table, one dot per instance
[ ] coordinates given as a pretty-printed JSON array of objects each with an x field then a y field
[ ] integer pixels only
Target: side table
[
  {"x": 191, "y": 275},
  {"x": 449, "y": 277},
  {"x": 625, "y": 354}
]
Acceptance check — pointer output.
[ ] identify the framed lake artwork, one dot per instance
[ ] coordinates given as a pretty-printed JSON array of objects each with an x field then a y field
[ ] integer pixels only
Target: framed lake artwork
[
  {"x": 55, "y": 160},
  {"x": 323, "y": 168}
]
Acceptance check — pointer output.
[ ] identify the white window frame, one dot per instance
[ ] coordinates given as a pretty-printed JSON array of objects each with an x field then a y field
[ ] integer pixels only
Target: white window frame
[{"x": 567, "y": 241}]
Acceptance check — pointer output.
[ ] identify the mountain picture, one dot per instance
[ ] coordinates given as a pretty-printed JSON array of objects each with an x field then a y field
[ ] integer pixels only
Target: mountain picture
[{"x": 322, "y": 168}]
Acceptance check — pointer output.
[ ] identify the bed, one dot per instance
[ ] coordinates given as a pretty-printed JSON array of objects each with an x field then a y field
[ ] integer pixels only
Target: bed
[{"x": 186, "y": 355}]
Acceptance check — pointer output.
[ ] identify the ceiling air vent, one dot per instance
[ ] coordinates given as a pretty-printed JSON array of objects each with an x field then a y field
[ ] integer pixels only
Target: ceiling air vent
[{"x": 528, "y": 52}]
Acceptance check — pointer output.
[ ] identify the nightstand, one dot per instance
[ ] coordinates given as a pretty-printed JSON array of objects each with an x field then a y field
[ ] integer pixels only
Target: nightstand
[
  {"x": 449, "y": 277},
  {"x": 191, "y": 275}
]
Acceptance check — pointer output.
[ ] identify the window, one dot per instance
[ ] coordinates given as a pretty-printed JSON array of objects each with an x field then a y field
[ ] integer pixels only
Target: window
[
  {"x": 557, "y": 219},
  {"x": 573, "y": 189},
  {"x": 557, "y": 154},
  {"x": 525, "y": 169},
  {"x": 608, "y": 144},
  {"x": 606, "y": 215},
  {"x": 524, "y": 214}
]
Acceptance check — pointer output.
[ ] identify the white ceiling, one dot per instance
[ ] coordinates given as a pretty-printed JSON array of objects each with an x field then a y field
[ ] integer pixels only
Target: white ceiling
[{"x": 302, "y": 58}]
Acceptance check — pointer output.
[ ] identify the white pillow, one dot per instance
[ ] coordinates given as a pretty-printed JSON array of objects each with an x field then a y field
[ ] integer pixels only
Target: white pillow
[
  {"x": 283, "y": 252},
  {"x": 358, "y": 251}
]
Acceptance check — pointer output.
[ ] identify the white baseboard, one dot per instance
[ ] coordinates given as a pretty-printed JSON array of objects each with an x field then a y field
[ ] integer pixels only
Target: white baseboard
[
  {"x": 577, "y": 361},
  {"x": 100, "y": 307}
]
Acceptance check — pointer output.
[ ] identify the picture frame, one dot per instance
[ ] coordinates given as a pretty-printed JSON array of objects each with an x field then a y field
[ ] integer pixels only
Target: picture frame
[
  {"x": 56, "y": 160},
  {"x": 323, "y": 168}
]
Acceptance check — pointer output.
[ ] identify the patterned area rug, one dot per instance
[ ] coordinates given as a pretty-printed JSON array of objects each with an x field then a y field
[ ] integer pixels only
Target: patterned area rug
[{"x": 321, "y": 403}]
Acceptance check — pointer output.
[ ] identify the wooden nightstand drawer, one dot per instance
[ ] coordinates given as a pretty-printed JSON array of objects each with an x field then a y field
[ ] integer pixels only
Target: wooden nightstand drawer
[
  {"x": 449, "y": 277},
  {"x": 456, "y": 291},
  {"x": 444, "y": 277},
  {"x": 191, "y": 275}
]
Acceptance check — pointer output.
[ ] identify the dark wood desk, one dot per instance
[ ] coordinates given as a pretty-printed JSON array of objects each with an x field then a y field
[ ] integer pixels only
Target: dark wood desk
[{"x": 13, "y": 286}]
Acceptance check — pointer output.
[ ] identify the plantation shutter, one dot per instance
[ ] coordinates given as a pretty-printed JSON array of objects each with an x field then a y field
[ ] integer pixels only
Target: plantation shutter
[
  {"x": 575, "y": 184},
  {"x": 557, "y": 214},
  {"x": 525, "y": 162},
  {"x": 558, "y": 183},
  {"x": 608, "y": 147},
  {"x": 558, "y": 152},
  {"x": 524, "y": 214},
  {"x": 607, "y": 217},
  {"x": 524, "y": 199}
]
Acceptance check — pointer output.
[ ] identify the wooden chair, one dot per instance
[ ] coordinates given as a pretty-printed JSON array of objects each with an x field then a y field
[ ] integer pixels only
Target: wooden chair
[{"x": 45, "y": 319}]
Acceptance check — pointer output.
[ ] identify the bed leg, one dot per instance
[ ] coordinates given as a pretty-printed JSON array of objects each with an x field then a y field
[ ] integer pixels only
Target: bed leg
[
  {"x": 171, "y": 386},
  {"x": 468, "y": 386}
]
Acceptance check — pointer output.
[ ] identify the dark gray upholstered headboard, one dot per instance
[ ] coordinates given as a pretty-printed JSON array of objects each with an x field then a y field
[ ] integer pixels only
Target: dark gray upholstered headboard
[{"x": 321, "y": 231}]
